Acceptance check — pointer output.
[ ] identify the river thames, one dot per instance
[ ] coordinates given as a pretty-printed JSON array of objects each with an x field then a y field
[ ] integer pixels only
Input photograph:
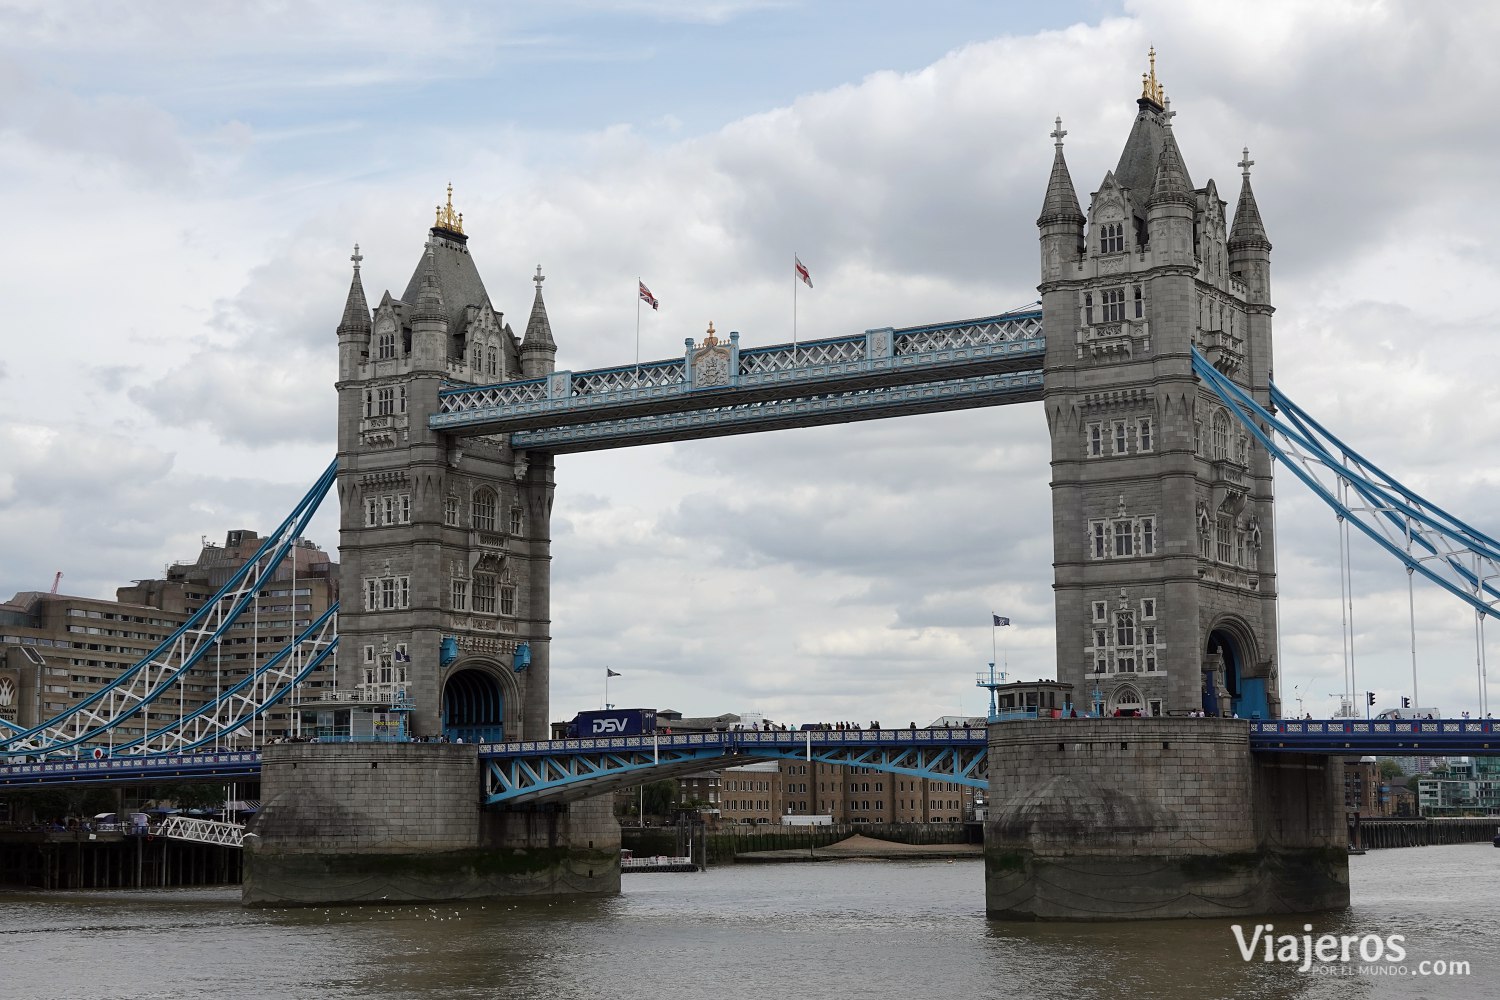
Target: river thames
[{"x": 849, "y": 929}]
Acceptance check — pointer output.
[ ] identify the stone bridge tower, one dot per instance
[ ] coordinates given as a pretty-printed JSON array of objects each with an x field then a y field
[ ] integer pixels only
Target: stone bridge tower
[
  {"x": 444, "y": 541},
  {"x": 1162, "y": 506}
]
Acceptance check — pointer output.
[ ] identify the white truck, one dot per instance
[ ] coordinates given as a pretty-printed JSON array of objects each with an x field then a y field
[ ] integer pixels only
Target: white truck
[{"x": 1410, "y": 713}]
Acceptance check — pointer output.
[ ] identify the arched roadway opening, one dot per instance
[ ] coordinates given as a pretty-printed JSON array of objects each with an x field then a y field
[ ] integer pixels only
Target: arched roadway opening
[{"x": 473, "y": 707}]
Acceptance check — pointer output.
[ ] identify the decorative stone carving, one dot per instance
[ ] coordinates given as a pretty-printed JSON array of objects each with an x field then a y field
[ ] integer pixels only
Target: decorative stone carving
[{"x": 711, "y": 366}]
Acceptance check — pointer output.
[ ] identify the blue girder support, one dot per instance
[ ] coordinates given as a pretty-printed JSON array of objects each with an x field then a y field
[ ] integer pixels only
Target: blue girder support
[
  {"x": 811, "y": 374},
  {"x": 1402, "y": 738},
  {"x": 233, "y": 765},
  {"x": 777, "y": 414},
  {"x": 1422, "y": 536},
  {"x": 138, "y": 687},
  {"x": 565, "y": 770}
]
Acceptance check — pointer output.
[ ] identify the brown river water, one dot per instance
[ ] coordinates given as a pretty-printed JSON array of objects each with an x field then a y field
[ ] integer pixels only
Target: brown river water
[{"x": 848, "y": 929}]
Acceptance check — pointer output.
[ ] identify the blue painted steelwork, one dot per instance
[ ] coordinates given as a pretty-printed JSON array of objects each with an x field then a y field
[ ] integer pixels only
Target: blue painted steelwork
[
  {"x": 564, "y": 770},
  {"x": 1405, "y": 737},
  {"x": 768, "y": 415},
  {"x": 138, "y": 687},
  {"x": 1425, "y": 538},
  {"x": 841, "y": 378},
  {"x": 235, "y": 765}
]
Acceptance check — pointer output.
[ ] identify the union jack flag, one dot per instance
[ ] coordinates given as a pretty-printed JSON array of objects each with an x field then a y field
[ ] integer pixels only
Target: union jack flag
[{"x": 647, "y": 297}]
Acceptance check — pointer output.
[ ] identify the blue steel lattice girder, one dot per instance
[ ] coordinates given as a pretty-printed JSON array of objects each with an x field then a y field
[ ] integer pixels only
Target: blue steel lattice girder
[
  {"x": 566, "y": 770},
  {"x": 883, "y": 357},
  {"x": 734, "y": 417},
  {"x": 142, "y": 684},
  {"x": 1447, "y": 544},
  {"x": 947, "y": 765}
]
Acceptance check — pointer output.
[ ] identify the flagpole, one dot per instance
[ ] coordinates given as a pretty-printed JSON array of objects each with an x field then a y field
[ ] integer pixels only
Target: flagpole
[
  {"x": 795, "y": 276},
  {"x": 638, "y": 284},
  {"x": 606, "y": 686}
]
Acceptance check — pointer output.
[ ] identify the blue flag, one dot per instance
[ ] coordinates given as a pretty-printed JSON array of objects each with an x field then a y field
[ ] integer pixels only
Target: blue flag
[{"x": 999, "y": 620}]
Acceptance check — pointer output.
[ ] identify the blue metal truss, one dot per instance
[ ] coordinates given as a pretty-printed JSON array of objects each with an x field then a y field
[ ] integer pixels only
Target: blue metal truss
[
  {"x": 137, "y": 688},
  {"x": 882, "y": 372},
  {"x": 234, "y": 765},
  {"x": 1405, "y": 737},
  {"x": 872, "y": 403},
  {"x": 1426, "y": 539},
  {"x": 565, "y": 770}
]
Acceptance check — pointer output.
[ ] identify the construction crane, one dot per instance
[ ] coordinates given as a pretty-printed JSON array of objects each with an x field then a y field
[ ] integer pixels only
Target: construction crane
[{"x": 56, "y": 580}]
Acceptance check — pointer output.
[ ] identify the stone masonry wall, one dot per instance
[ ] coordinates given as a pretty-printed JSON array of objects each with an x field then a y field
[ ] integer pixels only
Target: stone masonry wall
[{"x": 1126, "y": 819}]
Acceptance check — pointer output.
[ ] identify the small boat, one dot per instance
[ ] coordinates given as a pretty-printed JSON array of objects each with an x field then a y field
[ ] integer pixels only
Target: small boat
[{"x": 660, "y": 863}]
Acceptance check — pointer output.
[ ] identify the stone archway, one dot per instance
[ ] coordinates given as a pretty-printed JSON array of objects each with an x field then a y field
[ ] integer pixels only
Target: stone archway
[
  {"x": 1127, "y": 701},
  {"x": 473, "y": 707},
  {"x": 1231, "y": 646}
]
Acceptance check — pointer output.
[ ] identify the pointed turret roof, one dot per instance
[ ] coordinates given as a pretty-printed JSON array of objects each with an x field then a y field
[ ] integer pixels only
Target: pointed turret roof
[
  {"x": 356, "y": 309},
  {"x": 1247, "y": 225},
  {"x": 1170, "y": 183},
  {"x": 1150, "y": 134},
  {"x": 538, "y": 328},
  {"x": 429, "y": 304},
  {"x": 1061, "y": 202}
]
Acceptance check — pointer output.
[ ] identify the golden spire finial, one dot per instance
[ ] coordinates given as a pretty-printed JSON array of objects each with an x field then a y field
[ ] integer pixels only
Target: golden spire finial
[
  {"x": 710, "y": 340},
  {"x": 447, "y": 218},
  {"x": 1151, "y": 90}
]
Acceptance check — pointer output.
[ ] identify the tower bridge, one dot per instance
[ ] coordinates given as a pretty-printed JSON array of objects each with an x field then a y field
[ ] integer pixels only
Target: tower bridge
[{"x": 1151, "y": 354}]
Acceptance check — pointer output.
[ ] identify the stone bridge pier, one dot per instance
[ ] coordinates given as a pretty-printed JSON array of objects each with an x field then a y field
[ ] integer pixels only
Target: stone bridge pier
[{"x": 1136, "y": 819}]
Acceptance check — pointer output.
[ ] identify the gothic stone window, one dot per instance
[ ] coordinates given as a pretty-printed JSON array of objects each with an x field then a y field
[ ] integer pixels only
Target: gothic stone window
[
  {"x": 1121, "y": 538},
  {"x": 1113, "y": 301},
  {"x": 1221, "y": 435},
  {"x": 450, "y": 510},
  {"x": 387, "y": 593},
  {"x": 484, "y": 510},
  {"x": 484, "y": 593},
  {"x": 1096, "y": 440},
  {"x": 1143, "y": 434},
  {"x": 507, "y": 600},
  {"x": 516, "y": 522},
  {"x": 392, "y": 508},
  {"x": 1140, "y": 303},
  {"x": 494, "y": 365},
  {"x": 387, "y": 346},
  {"x": 386, "y": 401},
  {"x": 1112, "y": 238},
  {"x": 477, "y": 360},
  {"x": 1119, "y": 435},
  {"x": 460, "y": 594}
]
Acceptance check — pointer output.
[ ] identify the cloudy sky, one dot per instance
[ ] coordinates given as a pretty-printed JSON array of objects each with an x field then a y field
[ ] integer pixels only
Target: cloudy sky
[{"x": 182, "y": 182}]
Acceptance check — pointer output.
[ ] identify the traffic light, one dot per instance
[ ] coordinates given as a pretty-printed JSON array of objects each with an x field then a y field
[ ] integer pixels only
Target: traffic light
[
  {"x": 1405, "y": 702},
  {"x": 1370, "y": 697}
]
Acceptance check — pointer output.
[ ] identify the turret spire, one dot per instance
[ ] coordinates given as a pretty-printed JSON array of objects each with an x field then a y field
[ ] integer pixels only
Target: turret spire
[
  {"x": 1248, "y": 230},
  {"x": 356, "y": 308},
  {"x": 538, "y": 349},
  {"x": 429, "y": 304},
  {"x": 1170, "y": 183},
  {"x": 1061, "y": 203}
]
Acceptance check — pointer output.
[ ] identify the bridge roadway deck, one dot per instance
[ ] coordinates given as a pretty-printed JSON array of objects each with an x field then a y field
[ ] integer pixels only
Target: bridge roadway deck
[{"x": 687, "y": 751}]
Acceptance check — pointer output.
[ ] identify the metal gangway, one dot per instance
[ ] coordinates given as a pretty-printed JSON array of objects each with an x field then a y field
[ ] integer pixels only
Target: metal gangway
[{"x": 202, "y": 831}]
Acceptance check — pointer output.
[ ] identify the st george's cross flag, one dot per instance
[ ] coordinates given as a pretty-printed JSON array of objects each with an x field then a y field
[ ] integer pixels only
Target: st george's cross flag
[{"x": 802, "y": 271}]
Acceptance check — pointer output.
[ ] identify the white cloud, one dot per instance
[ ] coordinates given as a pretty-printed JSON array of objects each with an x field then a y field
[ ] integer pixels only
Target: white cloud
[{"x": 182, "y": 267}]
